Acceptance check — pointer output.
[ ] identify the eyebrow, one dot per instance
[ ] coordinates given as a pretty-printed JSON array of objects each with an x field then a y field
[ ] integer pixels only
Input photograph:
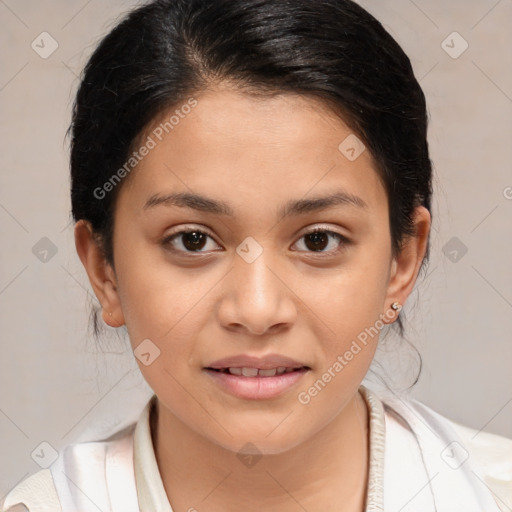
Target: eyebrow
[{"x": 289, "y": 209}]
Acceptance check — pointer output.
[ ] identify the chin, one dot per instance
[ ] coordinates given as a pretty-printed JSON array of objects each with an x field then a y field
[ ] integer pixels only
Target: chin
[{"x": 258, "y": 443}]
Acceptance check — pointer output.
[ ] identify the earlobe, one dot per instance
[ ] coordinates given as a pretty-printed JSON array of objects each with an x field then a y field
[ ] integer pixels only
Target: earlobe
[
  {"x": 100, "y": 272},
  {"x": 109, "y": 319},
  {"x": 406, "y": 265}
]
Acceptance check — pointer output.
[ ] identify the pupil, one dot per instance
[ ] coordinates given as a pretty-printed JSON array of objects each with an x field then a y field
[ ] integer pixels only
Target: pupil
[
  {"x": 194, "y": 240},
  {"x": 319, "y": 240}
]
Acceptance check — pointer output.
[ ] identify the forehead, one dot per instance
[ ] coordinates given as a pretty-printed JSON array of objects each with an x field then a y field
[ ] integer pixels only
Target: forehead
[{"x": 234, "y": 145}]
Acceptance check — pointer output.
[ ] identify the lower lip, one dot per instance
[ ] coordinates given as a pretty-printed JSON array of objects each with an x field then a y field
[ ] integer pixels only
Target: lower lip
[{"x": 256, "y": 388}]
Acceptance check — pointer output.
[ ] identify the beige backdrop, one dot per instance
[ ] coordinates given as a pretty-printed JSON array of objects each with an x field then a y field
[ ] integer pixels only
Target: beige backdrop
[{"x": 56, "y": 387}]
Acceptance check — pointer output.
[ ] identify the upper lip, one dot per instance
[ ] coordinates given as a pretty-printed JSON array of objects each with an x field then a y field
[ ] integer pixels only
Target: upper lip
[{"x": 263, "y": 363}]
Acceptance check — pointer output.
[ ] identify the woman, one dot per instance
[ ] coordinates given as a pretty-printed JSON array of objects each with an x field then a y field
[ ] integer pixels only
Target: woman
[{"x": 251, "y": 187}]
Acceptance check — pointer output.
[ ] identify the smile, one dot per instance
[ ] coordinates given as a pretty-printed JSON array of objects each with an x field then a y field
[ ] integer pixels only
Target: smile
[{"x": 257, "y": 372}]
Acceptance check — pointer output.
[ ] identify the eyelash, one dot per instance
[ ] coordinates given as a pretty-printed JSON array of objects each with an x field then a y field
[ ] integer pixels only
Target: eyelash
[{"x": 319, "y": 229}]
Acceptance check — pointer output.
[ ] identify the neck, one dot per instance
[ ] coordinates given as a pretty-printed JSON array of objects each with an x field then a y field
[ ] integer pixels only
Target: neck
[{"x": 329, "y": 468}]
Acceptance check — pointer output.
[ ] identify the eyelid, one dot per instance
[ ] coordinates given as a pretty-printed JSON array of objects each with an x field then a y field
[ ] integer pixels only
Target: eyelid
[
  {"x": 190, "y": 227},
  {"x": 323, "y": 228}
]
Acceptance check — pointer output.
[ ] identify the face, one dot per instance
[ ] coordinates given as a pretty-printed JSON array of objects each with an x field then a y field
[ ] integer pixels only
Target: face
[{"x": 233, "y": 270}]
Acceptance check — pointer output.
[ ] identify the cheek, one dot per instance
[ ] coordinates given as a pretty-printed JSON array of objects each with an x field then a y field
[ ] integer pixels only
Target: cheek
[
  {"x": 350, "y": 299},
  {"x": 350, "y": 311},
  {"x": 155, "y": 294}
]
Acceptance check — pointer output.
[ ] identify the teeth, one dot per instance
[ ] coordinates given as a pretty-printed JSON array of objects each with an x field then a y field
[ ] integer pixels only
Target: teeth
[
  {"x": 249, "y": 372},
  {"x": 253, "y": 372},
  {"x": 268, "y": 373}
]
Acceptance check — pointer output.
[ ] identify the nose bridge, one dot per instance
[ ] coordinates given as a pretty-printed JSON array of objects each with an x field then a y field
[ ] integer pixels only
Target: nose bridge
[
  {"x": 257, "y": 298},
  {"x": 254, "y": 274}
]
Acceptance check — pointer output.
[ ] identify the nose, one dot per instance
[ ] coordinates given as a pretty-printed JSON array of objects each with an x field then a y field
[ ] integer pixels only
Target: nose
[{"x": 257, "y": 297}]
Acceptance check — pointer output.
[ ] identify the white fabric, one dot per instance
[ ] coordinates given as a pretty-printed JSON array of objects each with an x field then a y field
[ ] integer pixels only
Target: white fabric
[
  {"x": 97, "y": 476},
  {"x": 419, "y": 462},
  {"x": 449, "y": 479}
]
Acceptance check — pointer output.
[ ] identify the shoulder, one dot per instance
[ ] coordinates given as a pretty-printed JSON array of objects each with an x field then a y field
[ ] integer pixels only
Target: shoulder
[
  {"x": 493, "y": 454},
  {"x": 487, "y": 455},
  {"x": 37, "y": 493},
  {"x": 89, "y": 465}
]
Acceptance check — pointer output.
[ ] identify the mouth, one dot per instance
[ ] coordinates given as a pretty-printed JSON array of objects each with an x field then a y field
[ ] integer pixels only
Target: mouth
[
  {"x": 250, "y": 377},
  {"x": 253, "y": 383},
  {"x": 258, "y": 372}
]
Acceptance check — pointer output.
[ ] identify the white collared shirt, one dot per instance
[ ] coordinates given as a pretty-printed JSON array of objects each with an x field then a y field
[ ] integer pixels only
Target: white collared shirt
[{"x": 419, "y": 461}]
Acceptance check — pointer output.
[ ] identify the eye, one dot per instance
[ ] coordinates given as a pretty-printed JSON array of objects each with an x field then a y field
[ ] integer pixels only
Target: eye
[
  {"x": 195, "y": 240},
  {"x": 317, "y": 240},
  {"x": 189, "y": 240}
]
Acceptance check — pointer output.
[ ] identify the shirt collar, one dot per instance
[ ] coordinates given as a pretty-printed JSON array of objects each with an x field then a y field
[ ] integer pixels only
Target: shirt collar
[{"x": 150, "y": 488}]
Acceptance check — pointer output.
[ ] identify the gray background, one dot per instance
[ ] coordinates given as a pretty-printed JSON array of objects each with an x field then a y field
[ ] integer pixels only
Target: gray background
[{"x": 57, "y": 386}]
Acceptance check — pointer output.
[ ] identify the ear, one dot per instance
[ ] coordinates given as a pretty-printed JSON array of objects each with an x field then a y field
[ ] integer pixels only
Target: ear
[
  {"x": 406, "y": 265},
  {"x": 101, "y": 274}
]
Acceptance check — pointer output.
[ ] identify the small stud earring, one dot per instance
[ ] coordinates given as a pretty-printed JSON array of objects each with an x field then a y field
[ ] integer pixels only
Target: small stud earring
[{"x": 396, "y": 306}]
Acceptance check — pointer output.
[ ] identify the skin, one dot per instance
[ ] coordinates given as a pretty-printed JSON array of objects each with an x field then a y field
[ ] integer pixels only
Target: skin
[{"x": 255, "y": 154}]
